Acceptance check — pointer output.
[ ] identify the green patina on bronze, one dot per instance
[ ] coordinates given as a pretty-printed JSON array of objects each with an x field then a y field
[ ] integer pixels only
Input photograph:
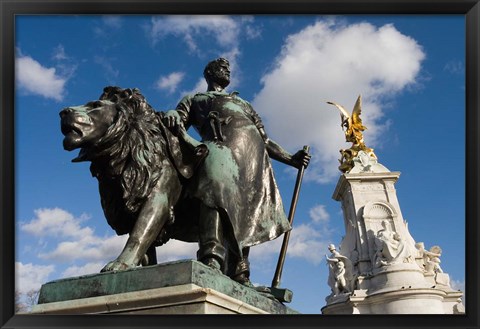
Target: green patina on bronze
[
  {"x": 139, "y": 164},
  {"x": 157, "y": 276},
  {"x": 157, "y": 183},
  {"x": 226, "y": 170}
]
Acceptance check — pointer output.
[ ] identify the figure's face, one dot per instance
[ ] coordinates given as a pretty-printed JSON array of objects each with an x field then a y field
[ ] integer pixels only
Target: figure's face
[{"x": 221, "y": 75}]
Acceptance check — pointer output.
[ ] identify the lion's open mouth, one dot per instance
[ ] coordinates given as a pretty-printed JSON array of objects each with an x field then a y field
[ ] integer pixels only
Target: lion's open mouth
[
  {"x": 69, "y": 128},
  {"x": 73, "y": 135}
]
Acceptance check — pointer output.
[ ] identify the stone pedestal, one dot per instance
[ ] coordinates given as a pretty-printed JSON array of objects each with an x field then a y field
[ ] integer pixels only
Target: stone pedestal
[
  {"x": 184, "y": 287},
  {"x": 386, "y": 271},
  {"x": 397, "y": 301}
]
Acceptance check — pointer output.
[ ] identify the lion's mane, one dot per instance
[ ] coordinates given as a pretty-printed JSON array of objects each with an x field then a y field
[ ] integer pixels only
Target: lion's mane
[{"x": 127, "y": 159}]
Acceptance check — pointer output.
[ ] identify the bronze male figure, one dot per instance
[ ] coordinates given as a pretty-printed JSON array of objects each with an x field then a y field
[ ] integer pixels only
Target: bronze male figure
[{"x": 240, "y": 205}]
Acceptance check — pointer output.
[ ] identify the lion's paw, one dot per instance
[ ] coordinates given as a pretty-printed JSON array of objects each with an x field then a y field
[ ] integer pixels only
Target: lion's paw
[{"x": 116, "y": 266}]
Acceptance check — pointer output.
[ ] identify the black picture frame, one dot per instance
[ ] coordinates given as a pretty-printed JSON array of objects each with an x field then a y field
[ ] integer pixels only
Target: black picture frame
[{"x": 11, "y": 8}]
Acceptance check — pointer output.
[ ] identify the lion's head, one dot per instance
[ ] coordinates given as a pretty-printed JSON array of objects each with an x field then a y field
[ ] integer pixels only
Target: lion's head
[
  {"x": 84, "y": 125},
  {"x": 121, "y": 135}
]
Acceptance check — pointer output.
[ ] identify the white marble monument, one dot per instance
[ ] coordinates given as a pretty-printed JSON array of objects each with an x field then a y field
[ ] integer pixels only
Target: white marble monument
[
  {"x": 379, "y": 268},
  {"x": 384, "y": 270}
]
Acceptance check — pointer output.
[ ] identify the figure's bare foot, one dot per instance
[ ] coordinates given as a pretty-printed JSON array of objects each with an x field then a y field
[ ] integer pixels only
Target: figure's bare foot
[{"x": 117, "y": 266}]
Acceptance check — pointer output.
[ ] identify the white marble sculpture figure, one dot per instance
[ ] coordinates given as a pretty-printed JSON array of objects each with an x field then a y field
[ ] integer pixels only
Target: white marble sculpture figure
[
  {"x": 434, "y": 259},
  {"x": 340, "y": 278},
  {"x": 390, "y": 247},
  {"x": 431, "y": 259}
]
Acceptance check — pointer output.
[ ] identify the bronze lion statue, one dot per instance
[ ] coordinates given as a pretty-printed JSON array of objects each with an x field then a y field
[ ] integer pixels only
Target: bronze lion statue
[{"x": 141, "y": 168}]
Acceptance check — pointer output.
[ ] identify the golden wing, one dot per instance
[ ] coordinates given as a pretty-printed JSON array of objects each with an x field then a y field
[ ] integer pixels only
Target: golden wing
[
  {"x": 344, "y": 116},
  {"x": 357, "y": 111}
]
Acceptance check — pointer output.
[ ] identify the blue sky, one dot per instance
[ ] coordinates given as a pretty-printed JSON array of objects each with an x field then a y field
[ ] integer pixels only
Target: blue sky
[{"x": 410, "y": 71}]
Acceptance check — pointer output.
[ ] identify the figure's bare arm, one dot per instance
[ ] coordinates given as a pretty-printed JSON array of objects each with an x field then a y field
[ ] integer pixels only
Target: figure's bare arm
[{"x": 277, "y": 152}]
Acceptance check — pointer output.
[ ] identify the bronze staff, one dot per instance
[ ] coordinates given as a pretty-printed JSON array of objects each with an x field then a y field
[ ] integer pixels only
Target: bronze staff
[{"x": 286, "y": 237}]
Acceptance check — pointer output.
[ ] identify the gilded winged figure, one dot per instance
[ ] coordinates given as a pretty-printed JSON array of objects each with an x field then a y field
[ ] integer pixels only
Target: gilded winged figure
[
  {"x": 353, "y": 128},
  {"x": 352, "y": 123}
]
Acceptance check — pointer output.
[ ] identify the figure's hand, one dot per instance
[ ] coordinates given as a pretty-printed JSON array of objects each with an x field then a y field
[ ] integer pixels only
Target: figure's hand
[
  {"x": 172, "y": 119},
  {"x": 301, "y": 159}
]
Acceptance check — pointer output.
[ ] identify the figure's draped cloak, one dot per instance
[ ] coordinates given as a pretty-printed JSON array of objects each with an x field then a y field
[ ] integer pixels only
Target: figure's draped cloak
[
  {"x": 236, "y": 177},
  {"x": 392, "y": 249}
]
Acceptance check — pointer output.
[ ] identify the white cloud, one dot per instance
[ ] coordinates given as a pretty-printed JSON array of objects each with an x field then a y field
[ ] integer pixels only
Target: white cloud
[
  {"x": 97, "y": 250},
  {"x": 87, "y": 248},
  {"x": 75, "y": 242},
  {"x": 458, "y": 285},
  {"x": 66, "y": 65},
  {"x": 267, "y": 253},
  {"x": 112, "y": 21},
  {"x": 170, "y": 82},
  {"x": 455, "y": 67},
  {"x": 109, "y": 23},
  {"x": 224, "y": 34},
  {"x": 330, "y": 61},
  {"x": 77, "y": 245},
  {"x": 73, "y": 239},
  {"x": 31, "y": 277},
  {"x": 223, "y": 29},
  {"x": 253, "y": 32},
  {"x": 88, "y": 268},
  {"x": 176, "y": 250},
  {"x": 33, "y": 78},
  {"x": 59, "y": 53},
  {"x": 319, "y": 214},
  {"x": 56, "y": 222},
  {"x": 111, "y": 73},
  {"x": 200, "y": 86},
  {"x": 306, "y": 242}
]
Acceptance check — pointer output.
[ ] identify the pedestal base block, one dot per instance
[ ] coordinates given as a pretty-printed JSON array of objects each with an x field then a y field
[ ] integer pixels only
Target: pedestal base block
[{"x": 184, "y": 287}]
